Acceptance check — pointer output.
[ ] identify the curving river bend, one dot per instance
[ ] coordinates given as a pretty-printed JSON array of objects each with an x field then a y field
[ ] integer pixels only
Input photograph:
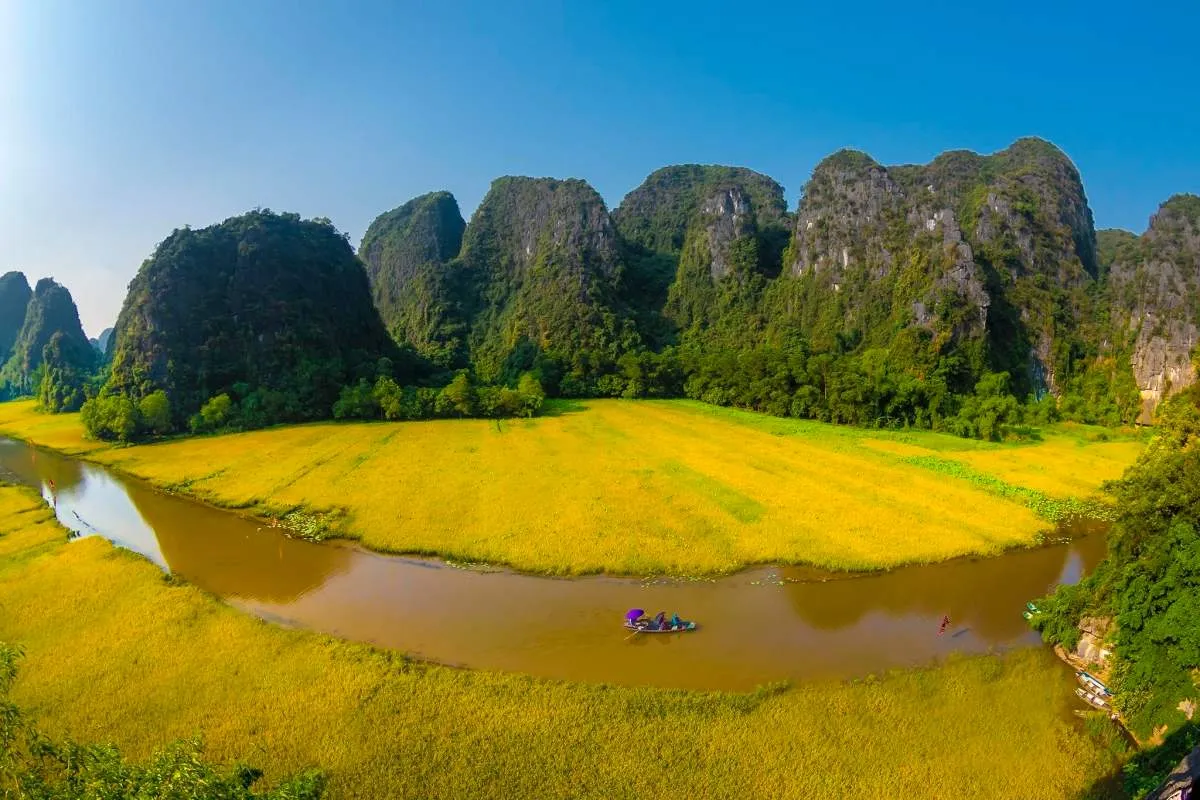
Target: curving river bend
[{"x": 758, "y": 626}]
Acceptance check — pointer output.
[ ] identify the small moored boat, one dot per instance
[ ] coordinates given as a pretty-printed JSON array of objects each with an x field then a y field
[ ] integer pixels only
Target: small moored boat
[
  {"x": 1092, "y": 683},
  {"x": 1092, "y": 699}
]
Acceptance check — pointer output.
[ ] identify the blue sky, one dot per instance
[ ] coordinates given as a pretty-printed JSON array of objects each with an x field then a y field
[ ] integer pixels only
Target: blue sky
[{"x": 122, "y": 120}]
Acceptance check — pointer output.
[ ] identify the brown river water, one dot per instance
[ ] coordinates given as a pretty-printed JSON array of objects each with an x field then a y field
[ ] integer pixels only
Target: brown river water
[{"x": 758, "y": 626}]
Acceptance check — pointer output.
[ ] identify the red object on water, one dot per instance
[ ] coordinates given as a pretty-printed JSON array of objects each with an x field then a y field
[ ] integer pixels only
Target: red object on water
[{"x": 945, "y": 622}]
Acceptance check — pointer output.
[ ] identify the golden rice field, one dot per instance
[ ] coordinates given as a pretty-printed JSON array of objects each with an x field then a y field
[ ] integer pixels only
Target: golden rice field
[
  {"x": 116, "y": 653},
  {"x": 623, "y": 486}
]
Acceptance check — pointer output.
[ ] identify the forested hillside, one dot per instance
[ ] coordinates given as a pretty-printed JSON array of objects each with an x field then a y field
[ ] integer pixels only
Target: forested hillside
[
  {"x": 408, "y": 253},
  {"x": 1148, "y": 588},
  {"x": 50, "y": 356},
  {"x": 14, "y": 300},
  {"x": 269, "y": 311},
  {"x": 964, "y": 295},
  {"x": 968, "y": 295}
]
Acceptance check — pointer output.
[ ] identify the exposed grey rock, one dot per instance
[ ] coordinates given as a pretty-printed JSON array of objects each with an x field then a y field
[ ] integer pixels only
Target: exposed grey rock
[
  {"x": 1154, "y": 286},
  {"x": 728, "y": 217}
]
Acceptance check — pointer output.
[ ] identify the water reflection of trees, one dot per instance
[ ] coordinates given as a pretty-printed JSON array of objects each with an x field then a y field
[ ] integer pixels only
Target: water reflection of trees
[
  {"x": 230, "y": 556},
  {"x": 35, "y": 468},
  {"x": 986, "y": 595},
  {"x": 216, "y": 550}
]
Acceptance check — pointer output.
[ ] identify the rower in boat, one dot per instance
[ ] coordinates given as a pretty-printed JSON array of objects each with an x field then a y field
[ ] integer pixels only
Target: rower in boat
[{"x": 637, "y": 621}]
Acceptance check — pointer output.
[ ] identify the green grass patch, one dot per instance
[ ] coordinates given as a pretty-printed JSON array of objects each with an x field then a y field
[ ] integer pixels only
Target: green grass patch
[{"x": 1051, "y": 509}]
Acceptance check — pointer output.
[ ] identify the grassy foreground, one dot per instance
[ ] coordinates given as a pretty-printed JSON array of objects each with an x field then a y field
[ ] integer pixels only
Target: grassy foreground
[
  {"x": 117, "y": 653},
  {"x": 629, "y": 487}
]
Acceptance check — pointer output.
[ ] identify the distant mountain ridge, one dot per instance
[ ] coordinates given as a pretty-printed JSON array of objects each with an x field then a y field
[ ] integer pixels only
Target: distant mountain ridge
[
  {"x": 50, "y": 341},
  {"x": 966, "y": 266},
  {"x": 963, "y": 294}
]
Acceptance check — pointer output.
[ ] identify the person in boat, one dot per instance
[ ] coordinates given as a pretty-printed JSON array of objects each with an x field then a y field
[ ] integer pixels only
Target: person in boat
[
  {"x": 676, "y": 622},
  {"x": 660, "y": 621}
]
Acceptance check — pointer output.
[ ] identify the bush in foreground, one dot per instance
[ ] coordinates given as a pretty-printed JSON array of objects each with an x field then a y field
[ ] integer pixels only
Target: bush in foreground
[{"x": 36, "y": 767}]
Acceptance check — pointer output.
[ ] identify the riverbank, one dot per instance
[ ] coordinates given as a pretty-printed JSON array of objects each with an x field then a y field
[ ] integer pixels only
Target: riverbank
[
  {"x": 631, "y": 488},
  {"x": 760, "y": 626},
  {"x": 116, "y": 652}
]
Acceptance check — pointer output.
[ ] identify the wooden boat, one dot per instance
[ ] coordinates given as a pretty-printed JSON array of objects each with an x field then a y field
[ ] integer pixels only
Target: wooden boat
[
  {"x": 1092, "y": 683},
  {"x": 648, "y": 627},
  {"x": 1091, "y": 699}
]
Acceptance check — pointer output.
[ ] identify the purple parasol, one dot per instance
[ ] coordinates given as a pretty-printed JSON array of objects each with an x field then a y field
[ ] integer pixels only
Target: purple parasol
[{"x": 634, "y": 614}]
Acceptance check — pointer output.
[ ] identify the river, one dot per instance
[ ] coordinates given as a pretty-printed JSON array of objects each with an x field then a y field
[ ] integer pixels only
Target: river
[{"x": 758, "y": 626}]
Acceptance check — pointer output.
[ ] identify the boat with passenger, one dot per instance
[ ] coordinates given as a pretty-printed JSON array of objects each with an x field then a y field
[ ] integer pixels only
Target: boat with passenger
[{"x": 637, "y": 621}]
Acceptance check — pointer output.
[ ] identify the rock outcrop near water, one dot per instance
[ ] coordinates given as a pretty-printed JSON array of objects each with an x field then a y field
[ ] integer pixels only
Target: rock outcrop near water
[
  {"x": 407, "y": 252},
  {"x": 14, "y": 300},
  {"x": 266, "y": 307},
  {"x": 1154, "y": 288},
  {"x": 50, "y": 336}
]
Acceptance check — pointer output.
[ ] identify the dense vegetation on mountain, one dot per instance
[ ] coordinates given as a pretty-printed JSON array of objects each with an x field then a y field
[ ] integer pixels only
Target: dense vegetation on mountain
[
  {"x": 966, "y": 295},
  {"x": 268, "y": 318},
  {"x": 963, "y": 295},
  {"x": 14, "y": 299},
  {"x": 51, "y": 356},
  {"x": 268, "y": 310},
  {"x": 670, "y": 213},
  {"x": 542, "y": 269},
  {"x": 1149, "y": 585},
  {"x": 937, "y": 295},
  {"x": 407, "y": 253},
  {"x": 1154, "y": 289}
]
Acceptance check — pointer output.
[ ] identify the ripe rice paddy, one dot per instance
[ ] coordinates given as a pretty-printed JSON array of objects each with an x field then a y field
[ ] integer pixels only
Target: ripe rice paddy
[
  {"x": 629, "y": 487},
  {"x": 117, "y": 653}
]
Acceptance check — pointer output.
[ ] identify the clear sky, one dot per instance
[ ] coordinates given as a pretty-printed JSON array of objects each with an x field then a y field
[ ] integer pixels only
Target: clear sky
[{"x": 121, "y": 120}]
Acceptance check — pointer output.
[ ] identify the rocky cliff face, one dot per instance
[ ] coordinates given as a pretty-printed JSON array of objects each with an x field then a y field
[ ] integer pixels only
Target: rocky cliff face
[
  {"x": 721, "y": 269},
  {"x": 542, "y": 270},
  {"x": 407, "y": 253},
  {"x": 1154, "y": 289},
  {"x": 687, "y": 230},
  {"x": 889, "y": 254},
  {"x": 101, "y": 342},
  {"x": 14, "y": 300},
  {"x": 923, "y": 276},
  {"x": 264, "y": 302},
  {"x": 968, "y": 246},
  {"x": 658, "y": 214},
  {"x": 51, "y": 315}
]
